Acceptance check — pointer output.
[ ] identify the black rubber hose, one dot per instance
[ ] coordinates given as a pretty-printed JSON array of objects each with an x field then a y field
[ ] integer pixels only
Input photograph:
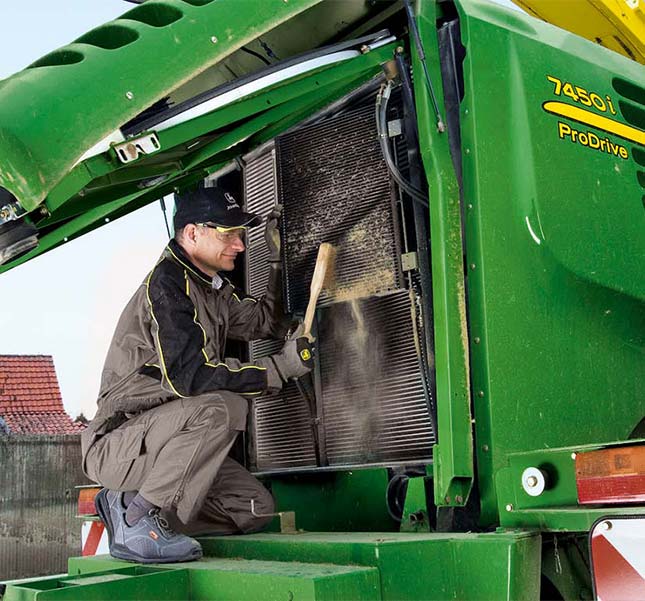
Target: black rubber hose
[{"x": 381, "y": 127}]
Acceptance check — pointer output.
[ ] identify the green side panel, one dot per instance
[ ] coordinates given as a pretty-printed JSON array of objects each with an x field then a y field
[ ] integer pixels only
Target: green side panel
[
  {"x": 565, "y": 519},
  {"x": 412, "y": 566},
  {"x": 338, "y": 501},
  {"x": 129, "y": 584},
  {"x": 453, "y": 455},
  {"x": 103, "y": 578},
  {"x": 556, "y": 508},
  {"x": 113, "y": 73},
  {"x": 402, "y": 566},
  {"x": 554, "y": 239}
]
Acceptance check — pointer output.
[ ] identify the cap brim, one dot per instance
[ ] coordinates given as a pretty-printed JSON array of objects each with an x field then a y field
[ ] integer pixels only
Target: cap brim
[
  {"x": 253, "y": 220},
  {"x": 240, "y": 220}
]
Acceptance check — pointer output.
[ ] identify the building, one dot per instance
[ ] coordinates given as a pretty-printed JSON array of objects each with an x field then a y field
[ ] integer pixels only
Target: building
[{"x": 30, "y": 398}]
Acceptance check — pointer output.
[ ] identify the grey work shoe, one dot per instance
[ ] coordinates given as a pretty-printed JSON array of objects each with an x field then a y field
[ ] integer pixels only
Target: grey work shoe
[{"x": 150, "y": 540}]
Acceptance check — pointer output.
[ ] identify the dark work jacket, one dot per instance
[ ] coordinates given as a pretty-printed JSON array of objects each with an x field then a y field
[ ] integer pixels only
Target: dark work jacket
[{"x": 169, "y": 342}]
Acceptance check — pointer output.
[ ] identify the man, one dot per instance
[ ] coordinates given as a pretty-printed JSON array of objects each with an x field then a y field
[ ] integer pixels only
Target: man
[{"x": 171, "y": 406}]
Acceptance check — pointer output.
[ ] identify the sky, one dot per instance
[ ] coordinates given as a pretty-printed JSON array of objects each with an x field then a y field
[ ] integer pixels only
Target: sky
[{"x": 66, "y": 303}]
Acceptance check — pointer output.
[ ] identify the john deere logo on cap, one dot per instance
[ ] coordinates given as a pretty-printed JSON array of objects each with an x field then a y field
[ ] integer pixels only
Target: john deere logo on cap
[
  {"x": 232, "y": 204},
  {"x": 305, "y": 354}
]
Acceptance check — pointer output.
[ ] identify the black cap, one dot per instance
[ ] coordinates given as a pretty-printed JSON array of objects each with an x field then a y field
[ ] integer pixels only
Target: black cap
[{"x": 211, "y": 205}]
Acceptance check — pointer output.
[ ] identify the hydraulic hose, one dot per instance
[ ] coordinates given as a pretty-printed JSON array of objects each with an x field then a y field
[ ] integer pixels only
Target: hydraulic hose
[{"x": 382, "y": 100}]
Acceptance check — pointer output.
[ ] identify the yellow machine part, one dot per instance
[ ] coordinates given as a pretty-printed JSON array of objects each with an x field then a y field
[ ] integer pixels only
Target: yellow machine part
[{"x": 615, "y": 24}]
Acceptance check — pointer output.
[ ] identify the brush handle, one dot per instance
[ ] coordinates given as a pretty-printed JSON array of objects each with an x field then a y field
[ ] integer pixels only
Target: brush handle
[{"x": 317, "y": 280}]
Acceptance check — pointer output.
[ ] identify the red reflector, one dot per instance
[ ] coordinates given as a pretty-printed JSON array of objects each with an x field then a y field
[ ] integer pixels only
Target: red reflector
[
  {"x": 611, "y": 475},
  {"x": 86, "y": 500}
]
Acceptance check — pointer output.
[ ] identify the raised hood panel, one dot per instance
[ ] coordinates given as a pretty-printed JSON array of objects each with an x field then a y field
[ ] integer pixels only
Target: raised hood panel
[{"x": 63, "y": 117}]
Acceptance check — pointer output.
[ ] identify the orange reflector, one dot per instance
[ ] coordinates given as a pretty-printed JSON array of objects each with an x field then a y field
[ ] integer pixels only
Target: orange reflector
[
  {"x": 86, "y": 500},
  {"x": 614, "y": 475}
]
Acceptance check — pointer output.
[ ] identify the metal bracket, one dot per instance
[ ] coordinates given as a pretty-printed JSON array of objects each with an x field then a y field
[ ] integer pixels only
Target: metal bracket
[
  {"x": 409, "y": 261},
  {"x": 415, "y": 510},
  {"x": 10, "y": 212},
  {"x": 287, "y": 519},
  {"x": 395, "y": 128},
  {"x": 132, "y": 149}
]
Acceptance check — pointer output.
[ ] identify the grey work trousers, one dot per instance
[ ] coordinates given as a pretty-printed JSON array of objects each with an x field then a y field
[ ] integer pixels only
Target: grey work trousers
[{"x": 176, "y": 456}]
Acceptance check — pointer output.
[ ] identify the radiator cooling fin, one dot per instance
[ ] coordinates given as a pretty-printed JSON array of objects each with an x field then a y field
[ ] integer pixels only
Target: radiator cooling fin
[{"x": 373, "y": 404}]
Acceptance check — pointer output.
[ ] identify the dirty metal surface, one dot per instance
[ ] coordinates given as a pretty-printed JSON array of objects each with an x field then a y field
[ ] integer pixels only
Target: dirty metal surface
[
  {"x": 335, "y": 188},
  {"x": 372, "y": 407},
  {"x": 280, "y": 433},
  {"x": 373, "y": 398}
]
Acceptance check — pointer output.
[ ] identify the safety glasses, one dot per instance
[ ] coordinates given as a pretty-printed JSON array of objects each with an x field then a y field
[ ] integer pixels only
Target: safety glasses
[{"x": 228, "y": 235}]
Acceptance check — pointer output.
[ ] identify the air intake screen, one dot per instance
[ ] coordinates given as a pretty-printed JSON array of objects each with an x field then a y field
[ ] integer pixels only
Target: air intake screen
[
  {"x": 335, "y": 187},
  {"x": 281, "y": 436},
  {"x": 372, "y": 406}
]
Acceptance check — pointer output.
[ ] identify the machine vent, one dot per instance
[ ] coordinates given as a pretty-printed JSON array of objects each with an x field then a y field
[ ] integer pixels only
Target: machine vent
[
  {"x": 335, "y": 187},
  {"x": 374, "y": 406},
  {"x": 281, "y": 435},
  {"x": 632, "y": 107},
  {"x": 260, "y": 196}
]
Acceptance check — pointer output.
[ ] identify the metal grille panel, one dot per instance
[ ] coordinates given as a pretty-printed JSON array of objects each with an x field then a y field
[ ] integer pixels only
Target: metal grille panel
[
  {"x": 374, "y": 405},
  {"x": 260, "y": 196},
  {"x": 281, "y": 432},
  {"x": 335, "y": 187}
]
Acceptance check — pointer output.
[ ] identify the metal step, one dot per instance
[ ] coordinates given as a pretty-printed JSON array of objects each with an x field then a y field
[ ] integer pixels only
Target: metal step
[{"x": 103, "y": 578}]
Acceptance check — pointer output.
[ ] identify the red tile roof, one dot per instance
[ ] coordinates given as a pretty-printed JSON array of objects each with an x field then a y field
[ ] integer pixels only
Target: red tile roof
[{"x": 30, "y": 399}]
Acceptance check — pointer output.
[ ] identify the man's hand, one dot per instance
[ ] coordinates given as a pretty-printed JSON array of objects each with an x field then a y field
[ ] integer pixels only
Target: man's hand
[
  {"x": 295, "y": 359},
  {"x": 272, "y": 234}
]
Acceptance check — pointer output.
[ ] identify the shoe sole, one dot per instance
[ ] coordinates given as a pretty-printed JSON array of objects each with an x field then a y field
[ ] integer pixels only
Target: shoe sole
[
  {"x": 104, "y": 513},
  {"x": 118, "y": 551}
]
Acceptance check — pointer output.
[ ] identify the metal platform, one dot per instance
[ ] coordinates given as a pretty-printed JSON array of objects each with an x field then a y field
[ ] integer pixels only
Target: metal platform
[{"x": 314, "y": 566}]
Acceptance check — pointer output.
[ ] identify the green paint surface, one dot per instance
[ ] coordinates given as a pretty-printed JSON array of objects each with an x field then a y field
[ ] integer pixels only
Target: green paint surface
[
  {"x": 99, "y": 578},
  {"x": 392, "y": 566},
  {"x": 46, "y": 105},
  {"x": 554, "y": 245}
]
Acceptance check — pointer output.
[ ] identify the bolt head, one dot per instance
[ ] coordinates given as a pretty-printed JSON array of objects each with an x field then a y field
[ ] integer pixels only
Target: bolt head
[
  {"x": 480, "y": 393},
  {"x": 477, "y": 340},
  {"x": 131, "y": 151},
  {"x": 214, "y": 39},
  {"x": 573, "y": 455},
  {"x": 485, "y": 448},
  {"x": 509, "y": 507},
  {"x": 129, "y": 95},
  {"x": 606, "y": 525},
  {"x": 531, "y": 481}
]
